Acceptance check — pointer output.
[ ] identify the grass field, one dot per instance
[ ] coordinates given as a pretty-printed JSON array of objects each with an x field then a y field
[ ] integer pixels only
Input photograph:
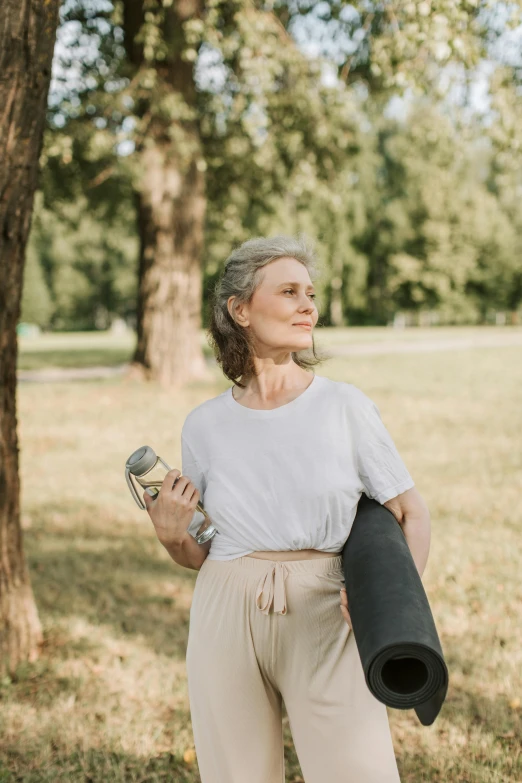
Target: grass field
[
  {"x": 103, "y": 349},
  {"x": 107, "y": 701}
]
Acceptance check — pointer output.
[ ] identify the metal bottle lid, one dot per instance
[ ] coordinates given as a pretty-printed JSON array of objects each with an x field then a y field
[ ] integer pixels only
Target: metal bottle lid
[{"x": 141, "y": 461}]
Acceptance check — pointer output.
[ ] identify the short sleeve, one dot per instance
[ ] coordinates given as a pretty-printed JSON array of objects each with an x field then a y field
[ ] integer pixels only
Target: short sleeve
[
  {"x": 381, "y": 468},
  {"x": 191, "y": 469}
]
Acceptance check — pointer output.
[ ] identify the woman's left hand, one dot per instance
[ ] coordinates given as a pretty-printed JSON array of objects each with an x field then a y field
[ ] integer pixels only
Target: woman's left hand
[{"x": 344, "y": 607}]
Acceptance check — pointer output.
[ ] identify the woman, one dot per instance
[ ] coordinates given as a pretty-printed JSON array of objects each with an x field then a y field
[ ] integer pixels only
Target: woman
[{"x": 279, "y": 461}]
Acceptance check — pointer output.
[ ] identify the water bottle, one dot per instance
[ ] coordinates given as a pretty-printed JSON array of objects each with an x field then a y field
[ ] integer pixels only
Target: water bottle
[{"x": 147, "y": 470}]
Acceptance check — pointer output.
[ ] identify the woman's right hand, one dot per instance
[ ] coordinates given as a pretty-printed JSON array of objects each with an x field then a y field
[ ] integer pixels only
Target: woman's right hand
[{"x": 171, "y": 511}]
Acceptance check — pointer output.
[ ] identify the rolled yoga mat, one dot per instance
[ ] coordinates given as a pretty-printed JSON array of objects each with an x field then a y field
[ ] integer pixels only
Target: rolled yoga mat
[{"x": 391, "y": 618}]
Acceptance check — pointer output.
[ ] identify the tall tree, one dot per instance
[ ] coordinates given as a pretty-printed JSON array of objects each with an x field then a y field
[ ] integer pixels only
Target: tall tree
[
  {"x": 27, "y": 36},
  {"x": 219, "y": 101},
  {"x": 170, "y": 196}
]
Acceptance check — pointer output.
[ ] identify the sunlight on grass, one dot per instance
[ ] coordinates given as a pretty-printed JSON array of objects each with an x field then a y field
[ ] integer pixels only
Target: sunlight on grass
[
  {"x": 107, "y": 701},
  {"x": 104, "y": 349}
]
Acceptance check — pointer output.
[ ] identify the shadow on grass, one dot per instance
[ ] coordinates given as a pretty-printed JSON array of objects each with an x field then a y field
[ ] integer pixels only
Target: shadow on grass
[
  {"x": 118, "y": 582},
  {"x": 114, "y": 578},
  {"x": 96, "y": 766},
  {"x": 117, "y": 578},
  {"x": 491, "y": 715}
]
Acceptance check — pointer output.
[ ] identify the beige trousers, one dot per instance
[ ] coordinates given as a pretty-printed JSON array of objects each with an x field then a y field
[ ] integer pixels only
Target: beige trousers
[{"x": 264, "y": 631}]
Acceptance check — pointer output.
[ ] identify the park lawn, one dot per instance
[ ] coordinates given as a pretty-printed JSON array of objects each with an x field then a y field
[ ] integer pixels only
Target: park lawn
[
  {"x": 107, "y": 700},
  {"x": 105, "y": 349},
  {"x": 74, "y": 349}
]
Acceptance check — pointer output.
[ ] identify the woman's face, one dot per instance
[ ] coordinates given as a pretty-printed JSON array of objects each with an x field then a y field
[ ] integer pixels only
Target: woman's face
[{"x": 284, "y": 297}]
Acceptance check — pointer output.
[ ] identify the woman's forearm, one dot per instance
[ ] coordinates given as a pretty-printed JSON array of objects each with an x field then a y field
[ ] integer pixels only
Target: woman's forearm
[
  {"x": 417, "y": 531},
  {"x": 188, "y": 553}
]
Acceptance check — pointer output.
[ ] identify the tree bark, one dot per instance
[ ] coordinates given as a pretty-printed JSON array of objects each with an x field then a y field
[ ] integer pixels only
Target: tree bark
[
  {"x": 171, "y": 213},
  {"x": 27, "y": 36},
  {"x": 171, "y": 207}
]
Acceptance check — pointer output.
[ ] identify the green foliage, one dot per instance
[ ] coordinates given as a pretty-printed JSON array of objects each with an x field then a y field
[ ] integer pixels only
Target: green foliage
[
  {"x": 447, "y": 241},
  {"x": 87, "y": 268},
  {"x": 36, "y": 305},
  {"x": 403, "y": 217}
]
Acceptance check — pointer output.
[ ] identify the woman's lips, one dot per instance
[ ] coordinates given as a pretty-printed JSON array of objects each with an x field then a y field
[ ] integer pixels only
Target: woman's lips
[{"x": 304, "y": 326}]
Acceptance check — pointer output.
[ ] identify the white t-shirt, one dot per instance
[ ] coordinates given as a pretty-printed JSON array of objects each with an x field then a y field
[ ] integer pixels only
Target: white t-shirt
[{"x": 291, "y": 477}]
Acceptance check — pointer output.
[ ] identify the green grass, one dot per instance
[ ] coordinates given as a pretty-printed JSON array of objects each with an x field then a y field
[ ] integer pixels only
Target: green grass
[
  {"x": 88, "y": 349},
  {"x": 107, "y": 700},
  {"x": 84, "y": 349}
]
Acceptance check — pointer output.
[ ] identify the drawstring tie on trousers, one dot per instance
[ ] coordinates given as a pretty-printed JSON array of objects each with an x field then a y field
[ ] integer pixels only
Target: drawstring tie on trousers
[{"x": 271, "y": 588}]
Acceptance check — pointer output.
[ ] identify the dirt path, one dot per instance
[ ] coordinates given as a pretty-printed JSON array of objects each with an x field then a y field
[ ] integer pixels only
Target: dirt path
[{"x": 398, "y": 346}]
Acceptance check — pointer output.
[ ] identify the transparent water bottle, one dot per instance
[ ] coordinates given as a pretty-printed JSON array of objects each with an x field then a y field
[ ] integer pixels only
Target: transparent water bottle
[{"x": 145, "y": 470}]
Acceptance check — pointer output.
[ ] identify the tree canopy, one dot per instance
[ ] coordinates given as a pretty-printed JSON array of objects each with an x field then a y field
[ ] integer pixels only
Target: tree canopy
[{"x": 410, "y": 212}]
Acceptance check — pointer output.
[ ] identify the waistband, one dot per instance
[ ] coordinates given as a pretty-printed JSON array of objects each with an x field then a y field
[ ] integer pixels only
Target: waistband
[{"x": 272, "y": 575}]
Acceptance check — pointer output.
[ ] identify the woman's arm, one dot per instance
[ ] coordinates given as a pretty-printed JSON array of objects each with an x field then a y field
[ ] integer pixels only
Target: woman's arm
[
  {"x": 412, "y": 514},
  {"x": 188, "y": 553}
]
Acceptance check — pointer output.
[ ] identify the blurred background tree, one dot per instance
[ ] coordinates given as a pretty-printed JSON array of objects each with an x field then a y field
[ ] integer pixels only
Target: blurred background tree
[{"x": 181, "y": 131}]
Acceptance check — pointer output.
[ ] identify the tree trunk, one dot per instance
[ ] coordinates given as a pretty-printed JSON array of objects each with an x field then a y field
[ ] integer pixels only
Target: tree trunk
[
  {"x": 171, "y": 206},
  {"x": 171, "y": 213},
  {"x": 27, "y": 36}
]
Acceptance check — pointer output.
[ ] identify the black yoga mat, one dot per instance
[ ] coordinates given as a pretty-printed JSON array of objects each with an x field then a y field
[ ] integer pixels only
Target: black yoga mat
[{"x": 391, "y": 618}]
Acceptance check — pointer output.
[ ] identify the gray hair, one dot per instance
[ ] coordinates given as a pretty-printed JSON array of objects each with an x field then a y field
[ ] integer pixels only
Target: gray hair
[{"x": 232, "y": 344}]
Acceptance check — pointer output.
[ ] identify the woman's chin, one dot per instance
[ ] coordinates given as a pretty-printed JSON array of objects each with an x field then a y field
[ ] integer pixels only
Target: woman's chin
[{"x": 302, "y": 345}]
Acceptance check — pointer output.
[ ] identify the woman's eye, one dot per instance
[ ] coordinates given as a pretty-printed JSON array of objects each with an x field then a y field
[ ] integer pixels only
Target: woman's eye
[{"x": 291, "y": 290}]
